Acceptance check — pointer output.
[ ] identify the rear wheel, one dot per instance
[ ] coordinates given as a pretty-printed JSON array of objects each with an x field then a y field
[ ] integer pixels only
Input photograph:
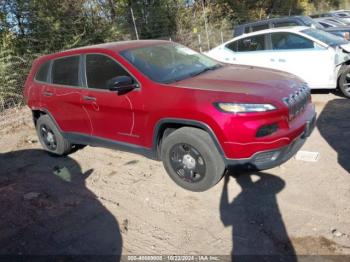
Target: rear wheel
[
  {"x": 191, "y": 159},
  {"x": 50, "y": 137},
  {"x": 344, "y": 82}
]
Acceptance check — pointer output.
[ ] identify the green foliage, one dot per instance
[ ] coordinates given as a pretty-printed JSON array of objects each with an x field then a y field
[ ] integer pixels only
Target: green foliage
[
  {"x": 11, "y": 78},
  {"x": 29, "y": 28}
]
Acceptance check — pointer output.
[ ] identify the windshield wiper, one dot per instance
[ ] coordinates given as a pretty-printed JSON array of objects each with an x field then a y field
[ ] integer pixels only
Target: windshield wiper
[
  {"x": 173, "y": 80},
  {"x": 206, "y": 69}
]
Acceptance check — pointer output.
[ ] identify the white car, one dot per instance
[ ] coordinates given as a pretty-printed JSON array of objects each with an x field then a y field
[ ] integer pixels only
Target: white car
[{"x": 317, "y": 57}]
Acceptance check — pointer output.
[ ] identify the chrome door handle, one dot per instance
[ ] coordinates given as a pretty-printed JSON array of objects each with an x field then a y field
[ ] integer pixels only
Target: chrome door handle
[
  {"x": 47, "y": 93},
  {"x": 89, "y": 98}
]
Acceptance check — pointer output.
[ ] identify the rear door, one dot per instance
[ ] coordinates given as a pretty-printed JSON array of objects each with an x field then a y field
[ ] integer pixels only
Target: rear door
[
  {"x": 62, "y": 95},
  {"x": 246, "y": 51},
  {"x": 112, "y": 114}
]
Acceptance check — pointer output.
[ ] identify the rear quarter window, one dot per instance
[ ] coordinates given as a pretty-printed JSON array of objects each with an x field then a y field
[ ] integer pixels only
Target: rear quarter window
[
  {"x": 232, "y": 46},
  {"x": 42, "y": 73},
  {"x": 249, "y": 44},
  {"x": 65, "y": 71}
]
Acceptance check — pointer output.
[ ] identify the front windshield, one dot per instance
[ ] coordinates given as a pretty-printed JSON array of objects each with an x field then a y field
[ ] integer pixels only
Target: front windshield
[
  {"x": 169, "y": 62},
  {"x": 343, "y": 14},
  {"x": 327, "y": 38}
]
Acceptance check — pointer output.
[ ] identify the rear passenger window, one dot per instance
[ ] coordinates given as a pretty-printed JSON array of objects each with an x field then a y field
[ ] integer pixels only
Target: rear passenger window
[
  {"x": 100, "y": 69},
  {"x": 249, "y": 44},
  {"x": 65, "y": 71},
  {"x": 285, "y": 41},
  {"x": 285, "y": 24},
  {"x": 41, "y": 75},
  {"x": 260, "y": 27}
]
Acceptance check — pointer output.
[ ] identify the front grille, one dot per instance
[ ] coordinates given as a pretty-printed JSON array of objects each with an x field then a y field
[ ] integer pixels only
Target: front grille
[{"x": 297, "y": 101}]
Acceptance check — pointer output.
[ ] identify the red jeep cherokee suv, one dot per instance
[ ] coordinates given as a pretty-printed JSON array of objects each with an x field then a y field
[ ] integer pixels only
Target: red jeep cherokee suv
[{"x": 166, "y": 101}]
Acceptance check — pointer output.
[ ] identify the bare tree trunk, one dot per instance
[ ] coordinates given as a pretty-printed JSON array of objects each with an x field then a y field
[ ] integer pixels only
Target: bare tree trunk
[
  {"x": 111, "y": 4},
  {"x": 20, "y": 24}
]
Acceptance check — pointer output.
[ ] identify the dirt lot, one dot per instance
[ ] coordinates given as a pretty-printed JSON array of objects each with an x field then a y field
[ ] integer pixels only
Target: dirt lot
[{"x": 99, "y": 201}]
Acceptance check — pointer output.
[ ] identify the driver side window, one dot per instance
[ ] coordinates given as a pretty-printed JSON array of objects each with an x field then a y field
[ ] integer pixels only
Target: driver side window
[{"x": 100, "y": 69}]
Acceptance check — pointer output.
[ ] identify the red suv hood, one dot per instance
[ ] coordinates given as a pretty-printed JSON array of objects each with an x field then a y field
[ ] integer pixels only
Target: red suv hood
[{"x": 245, "y": 80}]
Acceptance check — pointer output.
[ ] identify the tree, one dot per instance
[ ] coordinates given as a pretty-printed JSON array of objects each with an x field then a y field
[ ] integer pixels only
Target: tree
[
  {"x": 11, "y": 75},
  {"x": 154, "y": 19}
]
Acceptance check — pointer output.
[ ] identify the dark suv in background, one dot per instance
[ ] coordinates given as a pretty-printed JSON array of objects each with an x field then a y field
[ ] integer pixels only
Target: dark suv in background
[
  {"x": 276, "y": 22},
  {"x": 289, "y": 21}
]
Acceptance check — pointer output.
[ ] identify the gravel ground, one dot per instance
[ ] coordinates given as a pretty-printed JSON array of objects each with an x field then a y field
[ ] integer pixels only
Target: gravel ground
[{"x": 99, "y": 201}]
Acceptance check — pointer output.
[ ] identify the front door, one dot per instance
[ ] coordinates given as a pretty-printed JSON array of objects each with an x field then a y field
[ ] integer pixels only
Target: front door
[
  {"x": 302, "y": 57},
  {"x": 111, "y": 114}
]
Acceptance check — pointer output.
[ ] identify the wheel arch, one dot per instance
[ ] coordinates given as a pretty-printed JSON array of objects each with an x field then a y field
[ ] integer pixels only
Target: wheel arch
[
  {"x": 38, "y": 112},
  {"x": 342, "y": 69},
  {"x": 166, "y": 126}
]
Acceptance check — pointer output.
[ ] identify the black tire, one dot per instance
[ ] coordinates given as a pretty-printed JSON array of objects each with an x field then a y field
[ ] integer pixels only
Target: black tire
[
  {"x": 51, "y": 138},
  {"x": 344, "y": 82},
  {"x": 191, "y": 159}
]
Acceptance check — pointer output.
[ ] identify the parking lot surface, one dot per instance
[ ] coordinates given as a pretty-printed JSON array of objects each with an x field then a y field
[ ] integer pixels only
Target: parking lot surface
[{"x": 99, "y": 201}]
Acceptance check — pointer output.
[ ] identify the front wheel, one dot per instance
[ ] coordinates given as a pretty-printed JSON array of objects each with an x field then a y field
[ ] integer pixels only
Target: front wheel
[
  {"x": 191, "y": 159},
  {"x": 344, "y": 82}
]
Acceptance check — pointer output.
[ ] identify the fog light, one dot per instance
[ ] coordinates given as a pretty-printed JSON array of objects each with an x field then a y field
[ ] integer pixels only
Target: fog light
[{"x": 267, "y": 130}]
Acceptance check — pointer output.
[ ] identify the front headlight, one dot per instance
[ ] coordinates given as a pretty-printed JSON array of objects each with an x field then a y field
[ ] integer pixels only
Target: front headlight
[{"x": 244, "y": 108}]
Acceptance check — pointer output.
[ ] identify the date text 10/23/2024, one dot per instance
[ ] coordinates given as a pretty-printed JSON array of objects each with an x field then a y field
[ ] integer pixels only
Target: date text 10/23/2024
[{"x": 173, "y": 258}]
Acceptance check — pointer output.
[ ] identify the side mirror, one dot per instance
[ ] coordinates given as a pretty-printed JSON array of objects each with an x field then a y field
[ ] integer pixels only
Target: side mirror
[{"x": 121, "y": 84}]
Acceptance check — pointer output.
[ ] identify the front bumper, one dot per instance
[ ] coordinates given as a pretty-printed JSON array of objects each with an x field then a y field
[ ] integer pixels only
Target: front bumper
[{"x": 272, "y": 158}]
